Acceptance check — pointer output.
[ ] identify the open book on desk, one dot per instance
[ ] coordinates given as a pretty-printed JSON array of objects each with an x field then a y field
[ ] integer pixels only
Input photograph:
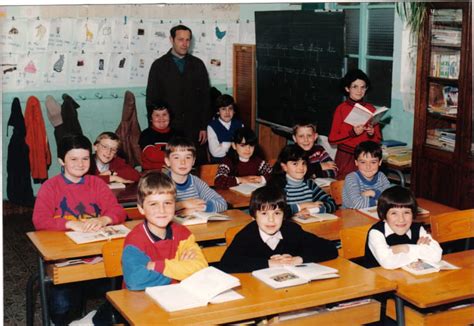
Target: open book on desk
[
  {"x": 318, "y": 217},
  {"x": 360, "y": 115},
  {"x": 421, "y": 267},
  {"x": 247, "y": 188},
  {"x": 200, "y": 218},
  {"x": 116, "y": 185},
  {"x": 285, "y": 276},
  {"x": 106, "y": 233},
  {"x": 372, "y": 211},
  {"x": 208, "y": 285},
  {"x": 324, "y": 182}
]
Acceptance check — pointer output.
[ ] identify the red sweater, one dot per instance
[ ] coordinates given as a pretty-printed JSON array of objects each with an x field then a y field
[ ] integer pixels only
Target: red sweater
[
  {"x": 59, "y": 201},
  {"x": 343, "y": 134},
  {"x": 119, "y": 166}
]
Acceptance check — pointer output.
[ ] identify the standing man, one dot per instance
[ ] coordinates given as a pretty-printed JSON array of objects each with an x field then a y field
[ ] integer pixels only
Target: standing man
[{"x": 181, "y": 80}]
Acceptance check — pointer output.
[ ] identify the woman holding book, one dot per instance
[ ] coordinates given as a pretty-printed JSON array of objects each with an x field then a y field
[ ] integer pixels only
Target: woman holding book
[{"x": 355, "y": 84}]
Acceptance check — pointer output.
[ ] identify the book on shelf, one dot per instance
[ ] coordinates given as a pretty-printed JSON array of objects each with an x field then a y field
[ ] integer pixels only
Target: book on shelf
[
  {"x": 247, "y": 188},
  {"x": 400, "y": 159},
  {"x": 318, "y": 217},
  {"x": 209, "y": 285},
  {"x": 392, "y": 143},
  {"x": 372, "y": 211},
  {"x": 421, "y": 267},
  {"x": 450, "y": 95},
  {"x": 116, "y": 185},
  {"x": 360, "y": 115},
  {"x": 106, "y": 233},
  {"x": 446, "y": 37},
  {"x": 324, "y": 182},
  {"x": 285, "y": 276},
  {"x": 200, "y": 218}
]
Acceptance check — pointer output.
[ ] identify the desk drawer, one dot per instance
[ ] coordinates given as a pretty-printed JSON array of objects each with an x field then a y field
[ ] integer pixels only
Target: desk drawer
[{"x": 76, "y": 273}]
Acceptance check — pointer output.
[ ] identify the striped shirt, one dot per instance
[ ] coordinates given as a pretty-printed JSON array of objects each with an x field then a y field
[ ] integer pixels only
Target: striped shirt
[
  {"x": 302, "y": 191},
  {"x": 196, "y": 188},
  {"x": 355, "y": 184}
]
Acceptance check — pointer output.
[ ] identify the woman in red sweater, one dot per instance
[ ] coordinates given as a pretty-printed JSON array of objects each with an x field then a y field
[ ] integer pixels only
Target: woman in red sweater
[{"x": 355, "y": 84}]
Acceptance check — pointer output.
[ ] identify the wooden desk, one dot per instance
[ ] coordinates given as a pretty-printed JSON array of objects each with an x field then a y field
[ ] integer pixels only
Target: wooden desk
[
  {"x": 434, "y": 208},
  {"x": 128, "y": 196},
  {"x": 430, "y": 290},
  {"x": 235, "y": 199},
  {"x": 260, "y": 300}
]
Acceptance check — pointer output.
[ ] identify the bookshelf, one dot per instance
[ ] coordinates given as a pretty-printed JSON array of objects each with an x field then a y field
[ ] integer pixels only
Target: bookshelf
[{"x": 443, "y": 159}]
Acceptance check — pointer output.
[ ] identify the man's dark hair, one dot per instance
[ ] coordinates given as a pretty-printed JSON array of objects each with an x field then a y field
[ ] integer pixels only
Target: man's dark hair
[{"x": 180, "y": 28}]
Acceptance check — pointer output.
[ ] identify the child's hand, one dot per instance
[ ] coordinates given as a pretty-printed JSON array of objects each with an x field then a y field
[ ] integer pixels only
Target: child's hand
[
  {"x": 77, "y": 226},
  {"x": 359, "y": 129},
  {"x": 188, "y": 254},
  {"x": 108, "y": 172},
  {"x": 285, "y": 259},
  {"x": 95, "y": 224},
  {"x": 150, "y": 266},
  {"x": 398, "y": 249},
  {"x": 330, "y": 165},
  {"x": 310, "y": 204},
  {"x": 250, "y": 179},
  {"x": 370, "y": 129},
  {"x": 423, "y": 240},
  {"x": 368, "y": 193},
  {"x": 116, "y": 178}
]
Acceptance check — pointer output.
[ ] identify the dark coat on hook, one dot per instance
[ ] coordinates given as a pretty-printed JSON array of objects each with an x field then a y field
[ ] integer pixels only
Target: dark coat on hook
[
  {"x": 129, "y": 130},
  {"x": 19, "y": 190},
  {"x": 70, "y": 118}
]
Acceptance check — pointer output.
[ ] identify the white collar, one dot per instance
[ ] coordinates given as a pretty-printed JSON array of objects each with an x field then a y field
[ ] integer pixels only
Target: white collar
[
  {"x": 389, "y": 231},
  {"x": 225, "y": 124},
  {"x": 271, "y": 240}
]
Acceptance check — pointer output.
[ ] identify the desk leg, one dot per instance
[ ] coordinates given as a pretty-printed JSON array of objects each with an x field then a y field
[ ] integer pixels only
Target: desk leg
[
  {"x": 42, "y": 285},
  {"x": 400, "y": 310}
]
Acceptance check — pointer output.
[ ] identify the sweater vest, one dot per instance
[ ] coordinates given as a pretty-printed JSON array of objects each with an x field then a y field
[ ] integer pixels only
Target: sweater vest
[{"x": 223, "y": 134}]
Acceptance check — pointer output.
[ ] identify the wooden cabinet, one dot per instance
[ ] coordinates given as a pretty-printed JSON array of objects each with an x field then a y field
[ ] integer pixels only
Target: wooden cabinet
[
  {"x": 443, "y": 151},
  {"x": 244, "y": 82}
]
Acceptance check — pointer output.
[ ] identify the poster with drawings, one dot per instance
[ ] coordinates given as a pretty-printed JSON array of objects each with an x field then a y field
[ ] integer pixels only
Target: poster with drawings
[
  {"x": 86, "y": 34},
  {"x": 139, "y": 34},
  {"x": 140, "y": 64},
  {"x": 30, "y": 68},
  {"x": 120, "y": 35},
  {"x": 158, "y": 40},
  {"x": 38, "y": 35},
  {"x": 104, "y": 38},
  {"x": 119, "y": 69},
  {"x": 100, "y": 65},
  {"x": 10, "y": 73},
  {"x": 80, "y": 68},
  {"x": 56, "y": 72},
  {"x": 13, "y": 35},
  {"x": 61, "y": 33}
]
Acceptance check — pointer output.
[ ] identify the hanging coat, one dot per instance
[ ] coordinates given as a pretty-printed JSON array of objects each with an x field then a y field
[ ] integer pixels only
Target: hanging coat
[
  {"x": 19, "y": 190},
  {"x": 70, "y": 119},
  {"x": 37, "y": 140},
  {"x": 129, "y": 130}
]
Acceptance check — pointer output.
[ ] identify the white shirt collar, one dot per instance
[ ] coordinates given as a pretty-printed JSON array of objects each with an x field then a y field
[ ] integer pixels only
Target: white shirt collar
[
  {"x": 226, "y": 124},
  {"x": 271, "y": 240},
  {"x": 389, "y": 231}
]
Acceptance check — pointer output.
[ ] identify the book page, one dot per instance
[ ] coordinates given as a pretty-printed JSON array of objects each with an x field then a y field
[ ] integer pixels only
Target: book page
[
  {"x": 108, "y": 232},
  {"x": 420, "y": 267},
  {"x": 174, "y": 297},
  {"x": 247, "y": 188},
  {"x": 226, "y": 296},
  {"x": 210, "y": 216},
  {"x": 319, "y": 217},
  {"x": 359, "y": 115},
  {"x": 378, "y": 115},
  {"x": 279, "y": 277},
  {"x": 371, "y": 211},
  {"x": 311, "y": 271}
]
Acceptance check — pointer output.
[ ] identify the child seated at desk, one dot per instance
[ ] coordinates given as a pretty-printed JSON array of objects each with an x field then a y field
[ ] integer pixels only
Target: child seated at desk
[
  {"x": 107, "y": 165},
  {"x": 159, "y": 251},
  {"x": 73, "y": 200},
  {"x": 272, "y": 239},
  {"x": 221, "y": 129},
  {"x": 320, "y": 164},
  {"x": 363, "y": 187},
  {"x": 396, "y": 241},
  {"x": 193, "y": 194},
  {"x": 242, "y": 165},
  {"x": 302, "y": 194}
]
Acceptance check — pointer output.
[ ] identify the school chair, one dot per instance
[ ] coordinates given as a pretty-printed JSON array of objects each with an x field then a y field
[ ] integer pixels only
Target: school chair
[
  {"x": 353, "y": 241},
  {"x": 207, "y": 173},
  {"x": 112, "y": 256},
  {"x": 231, "y": 232},
  {"x": 336, "y": 191},
  {"x": 453, "y": 226}
]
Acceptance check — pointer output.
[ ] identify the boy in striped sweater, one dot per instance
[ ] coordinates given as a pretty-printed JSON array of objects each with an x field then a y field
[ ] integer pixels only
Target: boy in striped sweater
[
  {"x": 363, "y": 187},
  {"x": 193, "y": 194}
]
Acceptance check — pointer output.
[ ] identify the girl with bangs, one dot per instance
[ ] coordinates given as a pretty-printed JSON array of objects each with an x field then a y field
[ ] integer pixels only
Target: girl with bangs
[{"x": 272, "y": 239}]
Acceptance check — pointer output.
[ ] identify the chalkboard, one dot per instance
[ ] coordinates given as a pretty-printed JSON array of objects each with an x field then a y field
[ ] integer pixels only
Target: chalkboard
[{"x": 300, "y": 60}]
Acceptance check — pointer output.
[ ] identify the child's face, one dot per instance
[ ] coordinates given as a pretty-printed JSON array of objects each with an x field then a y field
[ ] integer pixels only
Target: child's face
[
  {"x": 305, "y": 137},
  {"x": 226, "y": 113},
  {"x": 244, "y": 150},
  {"x": 180, "y": 162},
  {"x": 159, "y": 211},
  {"x": 106, "y": 149},
  {"x": 357, "y": 90},
  {"x": 76, "y": 164},
  {"x": 160, "y": 119},
  {"x": 368, "y": 165},
  {"x": 295, "y": 169},
  {"x": 269, "y": 220},
  {"x": 399, "y": 219}
]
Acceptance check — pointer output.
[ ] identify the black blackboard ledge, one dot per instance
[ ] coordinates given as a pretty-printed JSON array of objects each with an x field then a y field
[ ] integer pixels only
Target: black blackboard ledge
[{"x": 281, "y": 130}]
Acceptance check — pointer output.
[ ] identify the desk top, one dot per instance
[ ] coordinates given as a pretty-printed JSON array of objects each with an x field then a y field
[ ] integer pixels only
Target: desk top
[
  {"x": 435, "y": 289},
  {"x": 259, "y": 299},
  {"x": 434, "y": 208},
  {"x": 55, "y": 245},
  {"x": 127, "y": 195},
  {"x": 235, "y": 199}
]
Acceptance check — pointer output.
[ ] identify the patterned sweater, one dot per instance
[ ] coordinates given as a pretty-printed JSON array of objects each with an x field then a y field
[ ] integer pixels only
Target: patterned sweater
[
  {"x": 194, "y": 187},
  {"x": 228, "y": 172},
  {"x": 318, "y": 155},
  {"x": 355, "y": 184},
  {"x": 302, "y": 191}
]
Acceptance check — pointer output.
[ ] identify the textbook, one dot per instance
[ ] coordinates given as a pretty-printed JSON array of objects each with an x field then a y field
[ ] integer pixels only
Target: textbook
[
  {"x": 421, "y": 267},
  {"x": 360, "y": 115},
  {"x": 209, "y": 285},
  {"x": 324, "y": 182},
  {"x": 319, "y": 217},
  {"x": 285, "y": 276},
  {"x": 106, "y": 233},
  {"x": 116, "y": 185},
  {"x": 200, "y": 218},
  {"x": 247, "y": 188},
  {"x": 372, "y": 211}
]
